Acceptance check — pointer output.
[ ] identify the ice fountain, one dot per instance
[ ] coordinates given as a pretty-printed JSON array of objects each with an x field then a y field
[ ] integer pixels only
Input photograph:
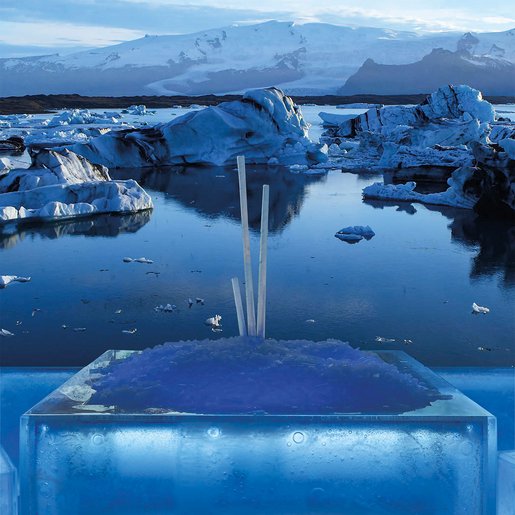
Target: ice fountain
[{"x": 254, "y": 425}]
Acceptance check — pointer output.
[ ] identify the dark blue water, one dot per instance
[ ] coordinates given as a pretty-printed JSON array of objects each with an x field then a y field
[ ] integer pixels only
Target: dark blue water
[{"x": 414, "y": 282}]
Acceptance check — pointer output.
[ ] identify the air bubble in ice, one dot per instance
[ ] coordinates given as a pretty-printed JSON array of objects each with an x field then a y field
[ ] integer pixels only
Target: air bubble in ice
[
  {"x": 97, "y": 439},
  {"x": 298, "y": 437},
  {"x": 213, "y": 432}
]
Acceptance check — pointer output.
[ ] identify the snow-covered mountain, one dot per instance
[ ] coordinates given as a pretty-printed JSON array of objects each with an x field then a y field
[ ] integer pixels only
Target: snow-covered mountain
[{"x": 312, "y": 58}]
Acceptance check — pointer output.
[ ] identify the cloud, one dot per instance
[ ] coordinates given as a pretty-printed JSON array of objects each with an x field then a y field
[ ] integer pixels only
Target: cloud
[
  {"x": 61, "y": 34},
  {"x": 65, "y": 23}
]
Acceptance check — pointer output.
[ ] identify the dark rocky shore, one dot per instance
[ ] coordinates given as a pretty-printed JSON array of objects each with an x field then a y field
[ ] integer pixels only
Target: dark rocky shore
[{"x": 45, "y": 103}]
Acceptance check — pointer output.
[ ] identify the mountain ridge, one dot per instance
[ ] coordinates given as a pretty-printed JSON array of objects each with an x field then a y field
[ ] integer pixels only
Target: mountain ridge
[{"x": 312, "y": 58}]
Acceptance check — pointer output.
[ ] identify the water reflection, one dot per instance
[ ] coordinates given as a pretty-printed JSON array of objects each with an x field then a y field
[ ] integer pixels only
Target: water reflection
[
  {"x": 493, "y": 239},
  {"x": 100, "y": 225},
  {"x": 496, "y": 241},
  {"x": 405, "y": 207},
  {"x": 213, "y": 192}
]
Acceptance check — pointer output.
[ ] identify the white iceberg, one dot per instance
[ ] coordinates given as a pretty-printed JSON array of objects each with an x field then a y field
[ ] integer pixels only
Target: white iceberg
[
  {"x": 138, "y": 110},
  {"x": 479, "y": 309},
  {"x": 455, "y": 195},
  {"x": 165, "y": 308},
  {"x": 65, "y": 185},
  {"x": 7, "y": 279},
  {"x": 143, "y": 260},
  {"x": 81, "y": 116},
  {"x": 214, "y": 321},
  {"x": 264, "y": 124}
]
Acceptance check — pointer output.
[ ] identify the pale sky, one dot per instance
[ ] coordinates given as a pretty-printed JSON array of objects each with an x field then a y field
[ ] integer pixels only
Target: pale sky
[{"x": 29, "y": 27}]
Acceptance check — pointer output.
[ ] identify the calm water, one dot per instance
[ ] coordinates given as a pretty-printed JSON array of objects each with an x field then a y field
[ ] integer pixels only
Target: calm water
[{"x": 415, "y": 280}]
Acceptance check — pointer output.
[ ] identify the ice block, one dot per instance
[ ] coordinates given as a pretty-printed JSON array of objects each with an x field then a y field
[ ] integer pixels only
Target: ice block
[
  {"x": 112, "y": 450},
  {"x": 506, "y": 483},
  {"x": 8, "y": 485}
]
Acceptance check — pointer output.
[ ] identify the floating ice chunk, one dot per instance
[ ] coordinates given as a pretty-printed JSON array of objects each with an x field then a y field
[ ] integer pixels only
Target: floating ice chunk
[
  {"x": 35, "y": 310},
  {"x": 479, "y": 309},
  {"x": 190, "y": 303},
  {"x": 355, "y": 233},
  {"x": 456, "y": 195},
  {"x": 214, "y": 321},
  {"x": 382, "y": 339},
  {"x": 165, "y": 308},
  {"x": 298, "y": 168},
  {"x": 310, "y": 321},
  {"x": 5, "y": 333},
  {"x": 79, "y": 329},
  {"x": 7, "y": 279},
  {"x": 81, "y": 116},
  {"x": 138, "y": 110},
  {"x": 143, "y": 260},
  {"x": 129, "y": 331},
  {"x": 118, "y": 311}
]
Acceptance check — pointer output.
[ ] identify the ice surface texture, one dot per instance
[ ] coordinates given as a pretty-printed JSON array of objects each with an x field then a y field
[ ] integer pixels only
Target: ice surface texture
[
  {"x": 264, "y": 124},
  {"x": 8, "y": 485},
  {"x": 244, "y": 375}
]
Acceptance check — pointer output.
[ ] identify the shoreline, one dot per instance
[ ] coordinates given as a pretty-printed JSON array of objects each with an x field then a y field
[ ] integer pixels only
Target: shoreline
[{"x": 41, "y": 104}]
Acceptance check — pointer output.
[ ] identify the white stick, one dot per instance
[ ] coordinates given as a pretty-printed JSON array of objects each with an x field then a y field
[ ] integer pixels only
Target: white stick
[
  {"x": 249, "y": 288},
  {"x": 263, "y": 247},
  {"x": 239, "y": 306}
]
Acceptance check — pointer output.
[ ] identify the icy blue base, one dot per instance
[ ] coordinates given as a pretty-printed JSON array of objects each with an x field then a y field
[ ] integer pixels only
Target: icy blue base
[
  {"x": 506, "y": 483},
  {"x": 8, "y": 485},
  {"x": 440, "y": 459}
]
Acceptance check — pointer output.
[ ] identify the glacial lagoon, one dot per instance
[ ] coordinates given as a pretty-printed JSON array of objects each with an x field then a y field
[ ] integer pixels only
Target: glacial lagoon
[{"x": 410, "y": 287}]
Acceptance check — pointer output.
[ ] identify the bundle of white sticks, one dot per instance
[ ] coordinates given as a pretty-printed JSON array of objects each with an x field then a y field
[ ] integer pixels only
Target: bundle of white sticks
[{"x": 251, "y": 328}]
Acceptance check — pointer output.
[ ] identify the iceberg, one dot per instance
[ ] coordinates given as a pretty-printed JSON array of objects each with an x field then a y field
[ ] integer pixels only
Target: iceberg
[
  {"x": 65, "y": 185},
  {"x": 455, "y": 195},
  {"x": 355, "y": 233},
  {"x": 49, "y": 168},
  {"x": 257, "y": 426},
  {"x": 438, "y": 132},
  {"x": 8, "y": 485},
  {"x": 462, "y": 104},
  {"x": 138, "y": 110},
  {"x": 264, "y": 124},
  {"x": 81, "y": 117},
  {"x": 8, "y": 279}
]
